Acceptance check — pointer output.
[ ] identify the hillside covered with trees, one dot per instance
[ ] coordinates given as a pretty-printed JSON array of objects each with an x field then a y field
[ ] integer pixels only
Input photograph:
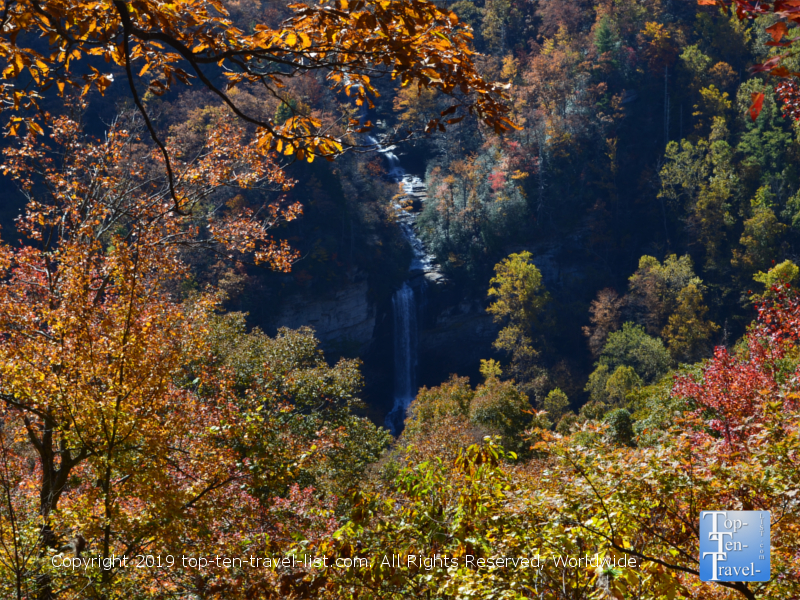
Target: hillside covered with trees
[{"x": 611, "y": 189}]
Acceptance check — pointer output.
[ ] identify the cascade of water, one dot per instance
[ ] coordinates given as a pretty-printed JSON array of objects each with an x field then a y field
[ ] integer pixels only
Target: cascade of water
[
  {"x": 404, "y": 307},
  {"x": 414, "y": 189},
  {"x": 396, "y": 170}
]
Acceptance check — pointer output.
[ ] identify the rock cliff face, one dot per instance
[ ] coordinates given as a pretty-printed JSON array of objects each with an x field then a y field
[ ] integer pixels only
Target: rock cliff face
[
  {"x": 454, "y": 339},
  {"x": 344, "y": 319},
  {"x": 454, "y": 333}
]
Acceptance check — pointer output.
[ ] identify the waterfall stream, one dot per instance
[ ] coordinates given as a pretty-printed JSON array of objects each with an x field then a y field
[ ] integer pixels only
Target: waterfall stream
[
  {"x": 408, "y": 300},
  {"x": 404, "y": 308}
]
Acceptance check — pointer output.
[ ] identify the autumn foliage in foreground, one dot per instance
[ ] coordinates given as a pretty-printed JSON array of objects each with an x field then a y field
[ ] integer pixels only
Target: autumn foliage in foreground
[
  {"x": 129, "y": 424},
  {"x": 160, "y": 46},
  {"x": 136, "y": 418},
  {"x": 734, "y": 441}
]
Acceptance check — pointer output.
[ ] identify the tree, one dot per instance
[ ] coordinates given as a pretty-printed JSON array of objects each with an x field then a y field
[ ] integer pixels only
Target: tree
[
  {"x": 120, "y": 416},
  {"x": 654, "y": 288},
  {"x": 415, "y": 106},
  {"x": 503, "y": 409},
  {"x": 621, "y": 383},
  {"x": 734, "y": 392},
  {"x": 19, "y": 526},
  {"x": 777, "y": 64},
  {"x": 742, "y": 422},
  {"x": 495, "y": 23},
  {"x": 596, "y": 384},
  {"x": 490, "y": 368},
  {"x": 556, "y": 404},
  {"x": 697, "y": 63},
  {"x": 640, "y": 508},
  {"x": 93, "y": 344},
  {"x": 688, "y": 332},
  {"x": 659, "y": 48},
  {"x": 521, "y": 297},
  {"x": 632, "y": 347},
  {"x": 494, "y": 408},
  {"x": 517, "y": 285},
  {"x": 766, "y": 142},
  {"x": 413, "y": 42},
  {"x": 606, "y": 40},
  {"x": 759, "y": 241},
  {"x": 296, "y": 423},
  {"x": 620, "y": 426},
  {"x": 776, "y": 278},
  {"x": 594, "y": 491},
  {"x": 605, "y": 316},
  {"x": 473, "y": 206},
  {"x": 701, "y": 177},
  {"x": 573, "y": 16},
  {"x": 467, "y": 12},
  {"x": 609, "y": 389}
]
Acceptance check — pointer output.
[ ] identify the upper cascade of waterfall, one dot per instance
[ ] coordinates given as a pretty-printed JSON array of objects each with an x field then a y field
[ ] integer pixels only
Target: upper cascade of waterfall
[
  {"x": 411, "y": 198},
  {"x": 396, "y": 170},
  {"x": 408, "y": 203}
]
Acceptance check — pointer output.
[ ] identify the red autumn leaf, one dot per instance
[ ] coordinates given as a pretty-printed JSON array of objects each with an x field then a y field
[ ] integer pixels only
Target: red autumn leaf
[
  {"x": 781, "y": 72},
  {"x": 772, "y": 63},
  {"x": 777, "y": 31},
  {"x": 757, "y": 105}
]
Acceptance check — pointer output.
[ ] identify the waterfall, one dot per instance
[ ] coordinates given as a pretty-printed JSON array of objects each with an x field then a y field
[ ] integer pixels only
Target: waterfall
[
  {"x": 396, "y": 171},
  {"x": 404, "y": 307}
]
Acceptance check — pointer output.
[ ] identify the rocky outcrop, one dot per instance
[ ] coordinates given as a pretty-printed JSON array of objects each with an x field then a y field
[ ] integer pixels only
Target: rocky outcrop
[
  {"x": 454, "y": 339},
  {"x": 344, "y": 319},
  {"x": 560, "y": 259}
]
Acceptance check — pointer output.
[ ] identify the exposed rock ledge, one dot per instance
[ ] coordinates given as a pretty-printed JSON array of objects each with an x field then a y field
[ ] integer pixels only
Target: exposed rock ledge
[{"x": 345, "y": 317}]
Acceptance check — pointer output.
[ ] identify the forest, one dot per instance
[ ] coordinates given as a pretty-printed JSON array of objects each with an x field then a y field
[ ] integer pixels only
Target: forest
[{"x": 394, "y": 299}]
